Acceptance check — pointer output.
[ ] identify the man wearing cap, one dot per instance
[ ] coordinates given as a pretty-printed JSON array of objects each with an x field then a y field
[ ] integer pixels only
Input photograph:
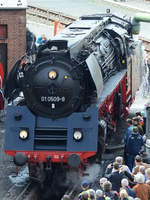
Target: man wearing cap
[
  {"x": 85, "y": 188},
  {"x": 133, "y": 146}
]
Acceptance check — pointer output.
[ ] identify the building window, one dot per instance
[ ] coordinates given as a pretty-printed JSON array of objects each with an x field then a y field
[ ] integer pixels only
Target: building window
[{"x": 3, "y": 31}]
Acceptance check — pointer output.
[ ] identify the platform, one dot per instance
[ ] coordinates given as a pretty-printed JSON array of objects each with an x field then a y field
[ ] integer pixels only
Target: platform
[{"x": 136, "y": 5}]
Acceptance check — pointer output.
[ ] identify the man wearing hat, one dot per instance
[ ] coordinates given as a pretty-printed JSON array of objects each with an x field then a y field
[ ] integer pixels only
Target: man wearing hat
[
  {"x": 133, "y": 146},
  {"x": 85, "y": 188}
]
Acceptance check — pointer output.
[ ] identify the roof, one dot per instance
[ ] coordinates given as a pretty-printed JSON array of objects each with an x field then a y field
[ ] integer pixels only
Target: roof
[{"x": 11, "y": 4}]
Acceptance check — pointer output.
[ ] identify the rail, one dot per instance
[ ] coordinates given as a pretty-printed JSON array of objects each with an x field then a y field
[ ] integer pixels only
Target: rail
[{"x": 48, "y": 16}]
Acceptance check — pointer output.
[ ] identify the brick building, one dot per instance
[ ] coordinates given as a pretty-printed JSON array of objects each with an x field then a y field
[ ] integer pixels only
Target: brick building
[{"x": 12, "y": 32}]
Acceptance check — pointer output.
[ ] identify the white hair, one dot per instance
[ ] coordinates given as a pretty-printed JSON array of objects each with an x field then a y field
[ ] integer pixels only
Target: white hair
[
  {"x": 103, "y": 180},
  {"x": 99, "y": 193},
  {"x": 91, "y": 192},
  {"x": 124, "y": 182},
  {"x": 139, "y": 178},
  {"x": 119, "y": 159}
]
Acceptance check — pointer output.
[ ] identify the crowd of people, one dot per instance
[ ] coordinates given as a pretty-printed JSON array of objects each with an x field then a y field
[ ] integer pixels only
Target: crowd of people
[{"x": 128, "y": 177}]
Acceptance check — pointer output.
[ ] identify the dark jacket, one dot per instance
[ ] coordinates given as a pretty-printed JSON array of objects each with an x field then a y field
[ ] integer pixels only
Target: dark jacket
[
  {"x": 115, "y": 178},
  {"x": 134, "y": 144},
  {"x": 128, "y": 133},
  {"x": 131, "y": 192}
]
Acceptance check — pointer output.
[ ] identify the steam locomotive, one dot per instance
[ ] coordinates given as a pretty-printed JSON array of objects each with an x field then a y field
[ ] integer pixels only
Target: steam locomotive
[{"x": 63, "y": 102}]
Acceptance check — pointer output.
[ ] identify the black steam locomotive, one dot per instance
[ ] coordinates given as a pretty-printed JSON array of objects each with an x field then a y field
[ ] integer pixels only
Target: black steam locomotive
[{"x": 77, "y": 86}]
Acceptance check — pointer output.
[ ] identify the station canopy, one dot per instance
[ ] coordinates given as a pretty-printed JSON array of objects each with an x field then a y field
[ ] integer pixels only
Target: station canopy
[{"x": 13, "y": 4}]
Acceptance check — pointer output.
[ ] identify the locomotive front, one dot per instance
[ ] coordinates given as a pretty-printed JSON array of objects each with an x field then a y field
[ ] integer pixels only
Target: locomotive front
[
  {"x": 52, "y": 122},
  {"x": 55, "y": 86}
]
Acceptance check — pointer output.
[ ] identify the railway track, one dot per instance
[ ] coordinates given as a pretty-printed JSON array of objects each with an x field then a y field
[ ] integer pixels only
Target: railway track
[
  {"x": 48, "y": 16},
  {"x": 18, "y": 193}
]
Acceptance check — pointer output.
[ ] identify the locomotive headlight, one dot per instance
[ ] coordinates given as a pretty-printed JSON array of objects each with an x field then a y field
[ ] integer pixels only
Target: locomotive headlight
[
  {"x": 52, "y": 74},
  {"x": 23, "y": 134},
  {"x": 77, "y": 135}
]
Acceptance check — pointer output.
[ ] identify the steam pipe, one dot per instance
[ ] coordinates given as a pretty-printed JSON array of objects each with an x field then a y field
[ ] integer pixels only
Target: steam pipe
[{"x": 139, "y": 17}]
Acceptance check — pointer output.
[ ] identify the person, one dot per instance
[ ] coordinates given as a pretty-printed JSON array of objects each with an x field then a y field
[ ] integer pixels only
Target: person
[
  {"x": 30, "y": 42},
  {"x": 84, "y": 187},
  {"x": 141, "y": 120},
  {"x": 128, "y": 132},
  {"x": 125, "y": 185},
  {"x": 133, "y": 146},
  {"x": 101, "y": 182},
  {"x": 42, "y": 39},
  {"x": 108, "y": 192},
  {"x": 147, "y": 173},
  {"x": 92, "y": 194},
  {"x": 135, "y": 122},
  {"x": 122, "y": 166},
  {"x": 142, "y": 189},
  {"x": 84, "y": 196},
  {"x": 108, "y": 170},
  {"x": 142, "y": 171},
  {"x": 115, "y": 177},
  {"x": 139, "y": 162},
  {"x": 124, "y": 195},
  {"x": 119, "y": 160},
  {"x": 99, "y": 195}
]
